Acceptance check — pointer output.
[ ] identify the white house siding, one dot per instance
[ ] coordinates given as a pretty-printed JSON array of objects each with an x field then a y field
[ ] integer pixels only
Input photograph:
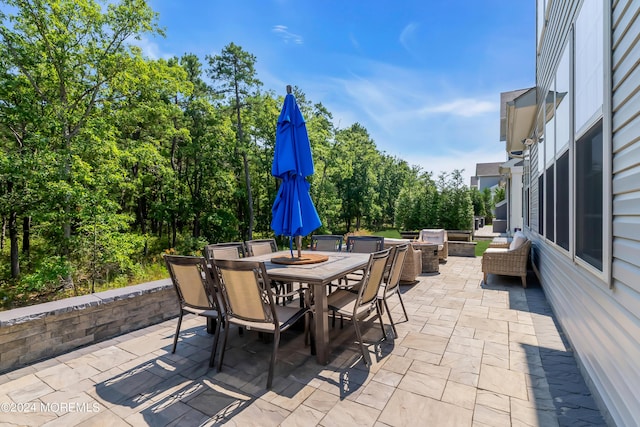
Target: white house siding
[{"x": 599, "y": 314}]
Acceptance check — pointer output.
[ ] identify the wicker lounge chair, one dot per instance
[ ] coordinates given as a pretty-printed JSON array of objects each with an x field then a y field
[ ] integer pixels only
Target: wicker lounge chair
[
  {"x": 412, "y": 266},
  {"x": 511, "y": 261}
]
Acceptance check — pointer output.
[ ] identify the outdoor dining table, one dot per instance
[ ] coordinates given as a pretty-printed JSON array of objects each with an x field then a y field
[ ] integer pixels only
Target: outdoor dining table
[{"x": 318, "y": 276}]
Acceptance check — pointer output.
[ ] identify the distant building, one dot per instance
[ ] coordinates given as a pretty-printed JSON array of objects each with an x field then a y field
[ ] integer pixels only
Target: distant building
[{"x": 487, "y": 175}]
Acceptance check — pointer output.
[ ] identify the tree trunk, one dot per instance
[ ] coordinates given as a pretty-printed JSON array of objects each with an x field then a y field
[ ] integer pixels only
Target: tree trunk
[
  {"x": 174, "y": 231},
  {"x": 13, "y": 243},
  {"x": 245, "y": 161},
  {"x": 247, "y": 179},
  {"x": 196, "y": 225},
  {"x": 26, "y": 236},
  {"x": 4, "y": 230},
  {"x": 66, "y": 245}
]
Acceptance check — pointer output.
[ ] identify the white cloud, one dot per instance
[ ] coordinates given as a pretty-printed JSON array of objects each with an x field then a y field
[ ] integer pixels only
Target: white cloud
[
  {"x": 456, "y": 159},
  {"x": 426, "y": 119},
  {"x": 149, "y": 48},
  {"x": 465, "y": 107},
  {"x": 354, "y": 41},
  {"x": 286, "y": 35}
]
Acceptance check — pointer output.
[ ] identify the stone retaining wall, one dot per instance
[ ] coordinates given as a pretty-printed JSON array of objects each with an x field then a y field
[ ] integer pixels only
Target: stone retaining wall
[
  {"x": 46, "y": 330},
  {"x": 467, "y": 249}
]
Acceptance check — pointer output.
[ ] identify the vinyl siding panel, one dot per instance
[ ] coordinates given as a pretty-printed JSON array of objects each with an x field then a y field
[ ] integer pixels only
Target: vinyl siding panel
[
  {"x": 626, "y": 204},
  {"x": 534, "y": 208},
  {"x": 626, "y": 181},
  {"x": 601, "y": 328},
  {"x": 627, "y": 86},
  {"x": 626, "y": 158},
  {"x": 629, "y": 134},
  {"x": 600, "y": 315}
]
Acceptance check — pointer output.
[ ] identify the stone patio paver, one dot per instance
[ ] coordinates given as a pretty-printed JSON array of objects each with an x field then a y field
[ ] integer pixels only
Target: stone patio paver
[{"x": 469, "y": 355}]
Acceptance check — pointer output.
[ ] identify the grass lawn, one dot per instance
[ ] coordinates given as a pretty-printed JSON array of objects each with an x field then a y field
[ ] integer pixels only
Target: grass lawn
[
  {"x": 391, "y": 233},
  {"x": 481, "y": 246}
]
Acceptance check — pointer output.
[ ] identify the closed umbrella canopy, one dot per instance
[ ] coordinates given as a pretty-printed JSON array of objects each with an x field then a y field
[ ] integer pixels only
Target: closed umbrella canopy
[{"x": 293, "y": 212}]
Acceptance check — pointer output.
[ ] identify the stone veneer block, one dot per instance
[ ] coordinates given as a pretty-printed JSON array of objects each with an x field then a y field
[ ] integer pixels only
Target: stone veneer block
[
  {"x": 467, "y": 249},
  {"x": 46, "y": 330}
]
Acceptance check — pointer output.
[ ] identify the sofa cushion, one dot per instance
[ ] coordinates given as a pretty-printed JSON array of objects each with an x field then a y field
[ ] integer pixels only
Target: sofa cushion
[
  {"x": 518, "y": 239},
  {"x": 388, "y": 241},
  {"x": 496, "y": 250},
  {"x": 436, "y": 236}
]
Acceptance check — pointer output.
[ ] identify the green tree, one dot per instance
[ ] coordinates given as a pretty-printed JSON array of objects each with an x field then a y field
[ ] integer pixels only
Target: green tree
[
  {"x": 234, "y": 76},
  {"x": 69, "y": 51},
  {"x": 455, "y": 206},
  {"x": 478, "y": 202},
  {"x": 487, "y": 199},
  {"x": 392, "y": 174},
  {"x": 360, "y": 159}
]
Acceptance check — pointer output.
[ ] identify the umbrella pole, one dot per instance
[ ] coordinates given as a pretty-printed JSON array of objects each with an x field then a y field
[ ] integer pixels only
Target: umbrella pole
[{"x": 299, "y": 244}]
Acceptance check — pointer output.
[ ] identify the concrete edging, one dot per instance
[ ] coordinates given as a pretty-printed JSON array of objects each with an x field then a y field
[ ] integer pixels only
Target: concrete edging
[{"x": 28, "y": 334}]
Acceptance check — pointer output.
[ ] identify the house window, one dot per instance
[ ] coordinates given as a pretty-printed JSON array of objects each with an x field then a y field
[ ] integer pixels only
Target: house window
[
  {"x": 541, "y": 205},
  {"x": 589, "y": 188},
  {"x": 526, "y": 207},
  {"x": 540, "y": 12},
  {"x": 589, "y": 69},
  {"x": 562, "y": 201},
  {"x": 549, "y": 211},
  {"x": 562, "y": 98}
]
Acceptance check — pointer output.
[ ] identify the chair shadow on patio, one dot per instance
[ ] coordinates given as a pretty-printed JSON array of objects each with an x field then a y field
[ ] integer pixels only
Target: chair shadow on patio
[
  {"x": 181, "y": 388},
  {"x": 178, "y": 387}
]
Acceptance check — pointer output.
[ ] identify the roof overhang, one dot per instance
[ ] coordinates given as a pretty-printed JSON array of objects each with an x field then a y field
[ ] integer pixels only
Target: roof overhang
[
  {"x": 506, "y": 167},
  {"x": 521, "y": 115}
]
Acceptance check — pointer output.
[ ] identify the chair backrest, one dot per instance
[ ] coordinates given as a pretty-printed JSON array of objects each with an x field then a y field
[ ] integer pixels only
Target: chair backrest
[
  {"x": 246, "y": 290},
  {"x": 231, "y": 250},
  {"x": 326, "y": 242},
  {"x": 261, "y": 247},
  {"x": 192, "y": 281},
  {"x": 518, "y": 239},
  {"x": 365, "y": 244},
  {"x": 397, "y": 262},
  {"x": 433, "y": 235},
  {"x": 373, "y": 275}
]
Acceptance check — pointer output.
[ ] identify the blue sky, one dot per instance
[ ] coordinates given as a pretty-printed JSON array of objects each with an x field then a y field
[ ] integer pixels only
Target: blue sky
[{"x": 422, "y": 76}]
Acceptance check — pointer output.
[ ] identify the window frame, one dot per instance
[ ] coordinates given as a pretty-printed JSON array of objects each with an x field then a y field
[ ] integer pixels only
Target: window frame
[{"x": 602, "y": 114}]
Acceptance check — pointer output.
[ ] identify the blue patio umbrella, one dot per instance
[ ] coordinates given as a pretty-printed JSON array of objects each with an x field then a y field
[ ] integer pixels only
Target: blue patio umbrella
[{"x": 293, "y": 212}]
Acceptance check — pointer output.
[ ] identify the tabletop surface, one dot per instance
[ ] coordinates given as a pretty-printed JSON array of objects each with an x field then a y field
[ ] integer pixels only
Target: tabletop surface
[{"x": 338, "y": 264}]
